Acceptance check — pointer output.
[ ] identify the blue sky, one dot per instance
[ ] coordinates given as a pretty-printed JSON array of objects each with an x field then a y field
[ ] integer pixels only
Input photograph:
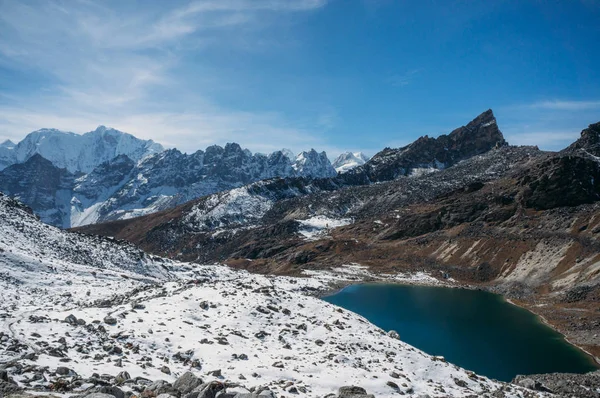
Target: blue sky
[{"x": 335, "y": 75}]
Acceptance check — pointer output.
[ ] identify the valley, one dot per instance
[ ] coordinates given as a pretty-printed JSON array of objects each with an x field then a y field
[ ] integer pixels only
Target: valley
[{"x": 461, "y": 210}]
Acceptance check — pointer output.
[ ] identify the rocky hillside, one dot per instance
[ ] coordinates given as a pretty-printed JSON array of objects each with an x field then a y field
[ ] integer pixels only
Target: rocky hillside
[
  {"x": 97, "y": 318},
  {"x": 514, "y": 220}
]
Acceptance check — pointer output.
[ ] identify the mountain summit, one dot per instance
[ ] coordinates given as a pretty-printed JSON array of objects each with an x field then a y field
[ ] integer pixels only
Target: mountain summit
[
  {"x": 78, "y": 153},
  {"x": 428, "y": 154},
  {"x": 349, "y": 160}
]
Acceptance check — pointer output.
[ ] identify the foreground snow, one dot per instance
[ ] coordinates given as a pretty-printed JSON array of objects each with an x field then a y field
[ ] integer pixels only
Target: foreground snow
[{"x": 104, "y": 314}]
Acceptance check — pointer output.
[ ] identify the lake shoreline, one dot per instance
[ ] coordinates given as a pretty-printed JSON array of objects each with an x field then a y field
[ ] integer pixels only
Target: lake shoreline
[{"x": 335, "y": 287}]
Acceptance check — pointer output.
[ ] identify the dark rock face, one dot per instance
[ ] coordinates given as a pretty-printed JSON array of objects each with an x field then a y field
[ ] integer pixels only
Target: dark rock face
[
  {"x": 589, "y": 141},
  {"x": 42, "y": 186},
  {"x": 561, "y": 181},
  {"x": 477, "y": 137}
]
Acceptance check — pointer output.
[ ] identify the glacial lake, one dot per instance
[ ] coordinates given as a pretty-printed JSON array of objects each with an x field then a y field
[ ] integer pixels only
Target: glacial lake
[{"x": 476, "y": 330}]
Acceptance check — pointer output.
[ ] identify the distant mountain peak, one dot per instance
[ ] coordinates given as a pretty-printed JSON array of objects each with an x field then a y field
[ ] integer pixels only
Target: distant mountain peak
[
  {"x": 76, "y": 152},
  {"x": 348, "y": 161},
  {"x": 429, "y": 154},
  {"x": 8, "y": 144}
]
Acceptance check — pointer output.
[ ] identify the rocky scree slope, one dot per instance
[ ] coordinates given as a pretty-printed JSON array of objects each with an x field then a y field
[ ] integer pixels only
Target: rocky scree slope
[
  {"x": 97, "y": 318},
  {"x": 125, "y": 187}
]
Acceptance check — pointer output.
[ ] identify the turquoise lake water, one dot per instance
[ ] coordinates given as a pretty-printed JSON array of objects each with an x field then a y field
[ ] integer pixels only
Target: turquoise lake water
[{"x": 476, "y": 330}]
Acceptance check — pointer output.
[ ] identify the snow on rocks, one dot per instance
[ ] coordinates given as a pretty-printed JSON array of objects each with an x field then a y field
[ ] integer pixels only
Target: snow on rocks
[
  {"x": 71, "y": 323},
  {"x": 316, "y": 227}
]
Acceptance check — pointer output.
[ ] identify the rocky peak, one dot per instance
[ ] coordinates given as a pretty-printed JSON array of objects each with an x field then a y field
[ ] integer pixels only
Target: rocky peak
[
  {"x": 588, "y": 142},
  {"x": 429, "y": 154},
  {"x": 314, "y": 164}
]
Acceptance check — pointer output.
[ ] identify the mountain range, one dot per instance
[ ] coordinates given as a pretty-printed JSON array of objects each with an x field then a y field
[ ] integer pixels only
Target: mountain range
[
  {"x": 462, "y": 209},
  {"x": 466, "y": 206},
  {"x": 73, "y": 180}
]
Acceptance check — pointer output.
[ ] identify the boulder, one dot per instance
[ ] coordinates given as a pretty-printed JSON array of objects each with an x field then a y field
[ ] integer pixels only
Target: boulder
[
  {"x": 206, "y": 390},
  {"x": 353, "y": 392},
  {"x": 122, "y": 377},
  {"x": 113, "y": 391},
  {"x": 187, "y": 383}
]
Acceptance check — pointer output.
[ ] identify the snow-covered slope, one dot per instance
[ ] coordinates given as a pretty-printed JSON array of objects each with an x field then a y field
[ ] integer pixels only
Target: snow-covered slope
[
  {"x": 349, "y": 160},
  {"x": 77, "y": 311},
  {"x": 79, "y": 153}
]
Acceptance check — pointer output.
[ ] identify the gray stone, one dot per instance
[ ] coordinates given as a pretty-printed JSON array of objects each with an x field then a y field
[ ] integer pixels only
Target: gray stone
[
  {"x": 353, "y": 392},
  {"x": 206, "y": 390},
  {"x": 99, "y": 395},
  {"x": 109, "y": 320},
  {"x": 63, "y": 371},
  {"x": 111, "y": 390},
  {"x": 122, "y": 377},
  {"x": 187, "y": 383}
]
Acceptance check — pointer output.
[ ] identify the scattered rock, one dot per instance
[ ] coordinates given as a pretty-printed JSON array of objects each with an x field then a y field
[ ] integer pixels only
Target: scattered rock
[{"x": 187, "y": 383}]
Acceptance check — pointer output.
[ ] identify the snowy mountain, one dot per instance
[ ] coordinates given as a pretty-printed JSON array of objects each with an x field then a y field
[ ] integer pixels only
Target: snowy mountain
[
  {"x": 83, "y": 314},
  {"x": 349, "y": 160},
  {"x": 124, "y": 188},
  {"x": 313, "y": 164},
  {"x": 135, "y": 182},
  {"x": 6, "y": 154},
  {"x": 78, "y": 153}
]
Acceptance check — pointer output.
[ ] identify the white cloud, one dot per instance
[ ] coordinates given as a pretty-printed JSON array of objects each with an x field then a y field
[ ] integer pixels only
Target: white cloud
[
  {"x": 119, "y": 66},
  {"x": 403, "y": 79}
]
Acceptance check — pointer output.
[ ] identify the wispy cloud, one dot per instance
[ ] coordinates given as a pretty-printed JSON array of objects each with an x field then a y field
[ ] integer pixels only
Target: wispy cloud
[
  {"x": 558, "y": 105},
  {"x": 403, "y": 79},
  {"x": 119, "y": 65}
]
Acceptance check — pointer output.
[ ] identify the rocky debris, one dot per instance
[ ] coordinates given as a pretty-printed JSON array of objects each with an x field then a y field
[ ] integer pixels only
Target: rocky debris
[
  {"x": 563, "y": 384},
  {"x": 187, "y": 383}
]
